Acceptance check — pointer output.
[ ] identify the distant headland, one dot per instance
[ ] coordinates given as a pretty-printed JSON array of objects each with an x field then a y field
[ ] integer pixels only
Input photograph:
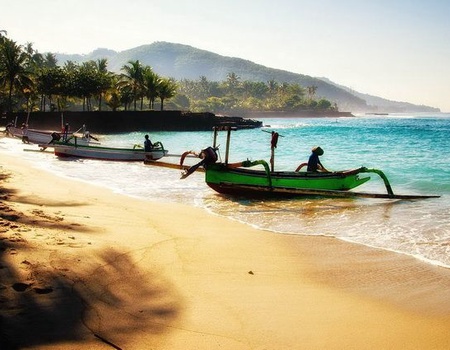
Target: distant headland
[{"x": 297, "y": 114}]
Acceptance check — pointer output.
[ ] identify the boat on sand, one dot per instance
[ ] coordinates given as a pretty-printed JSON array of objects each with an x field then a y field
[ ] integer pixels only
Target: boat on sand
[
  {"x": 136, "y": 153},
  {"x": 37, "y": 136}
]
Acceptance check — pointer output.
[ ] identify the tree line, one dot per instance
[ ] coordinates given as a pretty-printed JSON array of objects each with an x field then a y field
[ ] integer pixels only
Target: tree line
[{"x": 31, "y": 81}]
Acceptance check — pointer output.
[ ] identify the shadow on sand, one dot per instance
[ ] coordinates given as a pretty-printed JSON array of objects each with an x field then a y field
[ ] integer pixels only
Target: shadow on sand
[{"x": 59, "y": 296}]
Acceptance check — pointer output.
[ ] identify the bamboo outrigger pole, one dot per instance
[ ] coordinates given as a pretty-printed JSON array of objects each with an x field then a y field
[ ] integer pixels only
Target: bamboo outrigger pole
[
  {"x": 273, "y": 145},
  {"x": 227, "y": 150}
]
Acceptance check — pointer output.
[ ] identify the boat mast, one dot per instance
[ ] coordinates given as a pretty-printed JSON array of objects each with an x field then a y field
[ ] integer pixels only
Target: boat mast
[
  {"x": 273, "y": 145},
  {"x": 28, "y": 118},
  {"x": 215, "y": 137},
  {"x": 227, "y": 150}
]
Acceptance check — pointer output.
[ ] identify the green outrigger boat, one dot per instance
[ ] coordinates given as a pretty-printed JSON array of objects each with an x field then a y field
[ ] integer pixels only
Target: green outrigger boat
[{"x": 238, "y": 179}]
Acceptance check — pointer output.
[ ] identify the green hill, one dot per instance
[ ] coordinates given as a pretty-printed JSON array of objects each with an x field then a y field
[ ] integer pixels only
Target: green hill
[{"x": 186, "y": 62}]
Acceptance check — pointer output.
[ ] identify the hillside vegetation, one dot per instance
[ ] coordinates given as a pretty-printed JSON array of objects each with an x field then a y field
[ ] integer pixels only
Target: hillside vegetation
[
  {"x": 33, "y": 82},
  {"x": 185, "y": 62}
]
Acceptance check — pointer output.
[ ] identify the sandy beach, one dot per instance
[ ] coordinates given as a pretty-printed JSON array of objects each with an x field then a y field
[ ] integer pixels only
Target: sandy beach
[{"x": 84, "y": 268}]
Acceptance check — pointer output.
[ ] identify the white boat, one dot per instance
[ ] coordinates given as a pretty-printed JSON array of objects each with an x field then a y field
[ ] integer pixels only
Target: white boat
[
  {"x": 75, "y": 149},
  {"x": 41, "y": 137}
]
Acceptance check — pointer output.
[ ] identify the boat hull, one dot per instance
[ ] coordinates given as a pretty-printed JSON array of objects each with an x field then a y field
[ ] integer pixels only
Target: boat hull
[
  {"x": 249, "y": 182},
  {"x": 107, "y": 153},
  {"x": 42, "y": 137},
  {"x": 31, "y": 135}
]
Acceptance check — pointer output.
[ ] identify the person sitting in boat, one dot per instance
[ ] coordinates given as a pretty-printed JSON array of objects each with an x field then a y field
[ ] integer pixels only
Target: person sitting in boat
[
  {"x": 148, "y": 145},
  {"x": 85, "y": 133},
  {"x": 314, "y": 163}
]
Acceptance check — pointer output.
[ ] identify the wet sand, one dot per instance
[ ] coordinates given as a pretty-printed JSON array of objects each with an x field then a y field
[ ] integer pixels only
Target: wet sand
[{"x": 84, "y": 268}]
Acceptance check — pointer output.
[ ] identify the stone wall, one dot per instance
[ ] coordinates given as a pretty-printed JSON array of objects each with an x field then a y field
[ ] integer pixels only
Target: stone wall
[{"x": 128, "y": 121}]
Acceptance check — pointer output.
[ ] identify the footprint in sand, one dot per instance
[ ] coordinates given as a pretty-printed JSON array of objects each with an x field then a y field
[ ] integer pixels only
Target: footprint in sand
[
  {"x": 20, "y": 287},
  {"x": 13, "y": 251},
  {"x": 47, "y": 290}
]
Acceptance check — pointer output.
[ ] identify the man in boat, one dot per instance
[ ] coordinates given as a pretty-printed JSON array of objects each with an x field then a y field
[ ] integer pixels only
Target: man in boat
[
  {"x": 148, "y": 145},
  {"x": 314, "y": 163}
]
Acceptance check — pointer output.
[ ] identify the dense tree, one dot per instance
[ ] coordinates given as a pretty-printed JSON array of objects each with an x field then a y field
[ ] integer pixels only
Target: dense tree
[
  {"x": 232, "y": 83},
  {"x": 181, "y": 101},
  {"x": 88, "y": 83},
  {"x": 2, "y": 36},
  {"x": 103, "y": 79},
  {"x": 14, "y": 73},
  {"x": 26, "y": 74},
  {"x": 150, "y": 84},
  {"x": 133, "y": 78},
  {"x": 323, "y": 104},
  {"x": 51, "y": 83},
  {"x": 312, "y": 91},
  {"x": 113, "y": 96},
  {"x": 204, "y": 88},
  {"x": 167, "y": 88}
]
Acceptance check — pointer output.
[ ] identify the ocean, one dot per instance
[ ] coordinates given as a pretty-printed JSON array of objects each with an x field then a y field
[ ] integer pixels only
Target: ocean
[{"x": 412, "y": 150}]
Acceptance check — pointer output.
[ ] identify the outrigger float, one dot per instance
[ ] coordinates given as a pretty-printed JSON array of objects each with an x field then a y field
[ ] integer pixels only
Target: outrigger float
[{"x": 237, "y": 179}]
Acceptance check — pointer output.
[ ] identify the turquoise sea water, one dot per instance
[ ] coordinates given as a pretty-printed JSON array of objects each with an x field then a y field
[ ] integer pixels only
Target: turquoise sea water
[{"x": 412, "y": 150}]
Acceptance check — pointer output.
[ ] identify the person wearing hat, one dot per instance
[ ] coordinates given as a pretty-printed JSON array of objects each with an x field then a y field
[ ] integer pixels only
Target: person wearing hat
[{"x": 314, "y": 163}]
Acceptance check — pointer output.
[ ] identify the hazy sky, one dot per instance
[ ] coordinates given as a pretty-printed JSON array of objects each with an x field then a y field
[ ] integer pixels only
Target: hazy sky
[{"x": 396, "y": 49}]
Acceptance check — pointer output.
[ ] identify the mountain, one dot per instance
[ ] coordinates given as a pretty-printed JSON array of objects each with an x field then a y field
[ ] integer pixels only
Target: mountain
[
  {"x": 186, "y": 62},
  {"x": 378, "y": 104}
]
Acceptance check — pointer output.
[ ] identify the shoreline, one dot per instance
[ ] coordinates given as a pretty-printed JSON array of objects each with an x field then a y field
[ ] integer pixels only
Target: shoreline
[
  {"x": 99, "y": 265},
  {"x": 298, "y": 114}
]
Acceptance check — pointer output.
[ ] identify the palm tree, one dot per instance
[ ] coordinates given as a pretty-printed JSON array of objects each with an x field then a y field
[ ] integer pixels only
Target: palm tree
[
  {"x": 312, "y": 91},
  {"x": 50, "y": 60},
  {"x": 167, "y": 88},
  {"x": 104, "y": 79},
  {"x": 204, "y": 87},
  {"x": 126, "y": 97},
  {"x": 233, "y": 82},
  {"x": 151, "y": 81},
  {"x": 3, "y": 34},
  {"x": 13, "y": 69},
  {"x": 272, "y": 85},
  {"x": 113, "y": 99},
  {"x": 133, "y": 78}
]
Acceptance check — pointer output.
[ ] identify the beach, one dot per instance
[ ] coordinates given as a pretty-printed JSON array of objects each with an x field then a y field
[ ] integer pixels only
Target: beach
[{"x": 85, "y": 268}]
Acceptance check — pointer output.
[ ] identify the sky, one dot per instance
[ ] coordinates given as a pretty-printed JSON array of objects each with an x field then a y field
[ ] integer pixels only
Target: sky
[{"x": 395, "y": 49}]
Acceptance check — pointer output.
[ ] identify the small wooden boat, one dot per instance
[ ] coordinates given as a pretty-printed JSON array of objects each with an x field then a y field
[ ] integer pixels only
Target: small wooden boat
[
  {"x": 238, "y": 179},
  {"x": 63, "y": 149},
  {"x": 41, "y": 137}
]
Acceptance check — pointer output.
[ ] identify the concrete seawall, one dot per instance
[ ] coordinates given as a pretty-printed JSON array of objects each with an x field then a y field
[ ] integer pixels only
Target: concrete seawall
[{"x": 128, "y": 121}]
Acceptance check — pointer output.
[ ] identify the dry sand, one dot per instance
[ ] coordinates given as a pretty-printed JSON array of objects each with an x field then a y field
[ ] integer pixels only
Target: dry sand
[{"x": 84, "y": 268}]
